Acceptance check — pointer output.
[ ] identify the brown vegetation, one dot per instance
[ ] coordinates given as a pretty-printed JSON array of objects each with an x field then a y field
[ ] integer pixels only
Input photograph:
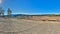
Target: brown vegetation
[{"x": 45, "y": 18}]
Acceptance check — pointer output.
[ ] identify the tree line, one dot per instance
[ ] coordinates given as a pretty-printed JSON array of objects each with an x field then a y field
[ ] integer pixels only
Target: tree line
[{"x": 2, "y": 12}]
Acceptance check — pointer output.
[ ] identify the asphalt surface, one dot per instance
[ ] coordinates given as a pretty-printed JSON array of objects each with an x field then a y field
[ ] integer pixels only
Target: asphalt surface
[{"x": 18, "y": 26}]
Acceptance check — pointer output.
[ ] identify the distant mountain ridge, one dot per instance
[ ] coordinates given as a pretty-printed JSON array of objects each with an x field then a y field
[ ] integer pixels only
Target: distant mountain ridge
[{"x": 16, "y": 15}]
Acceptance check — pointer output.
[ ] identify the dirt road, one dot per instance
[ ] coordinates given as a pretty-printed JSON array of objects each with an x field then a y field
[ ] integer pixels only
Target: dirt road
[{"x": 19, "y": 26}]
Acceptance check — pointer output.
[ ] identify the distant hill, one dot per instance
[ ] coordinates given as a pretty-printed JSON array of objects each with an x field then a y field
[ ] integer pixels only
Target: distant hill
[
  {"x": 16, "y": 15},
  {"x": 36, "y": 15}
]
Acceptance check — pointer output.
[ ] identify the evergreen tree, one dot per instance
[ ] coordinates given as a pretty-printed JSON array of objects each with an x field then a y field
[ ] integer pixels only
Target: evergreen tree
[
  {"x": 9, "y": 12},
  {"x": 1, "y": 11}
]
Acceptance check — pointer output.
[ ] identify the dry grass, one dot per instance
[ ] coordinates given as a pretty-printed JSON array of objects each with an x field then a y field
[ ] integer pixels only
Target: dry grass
[
  {"x": 45, "y": 18},
  {"x": 24, "y": 26}
]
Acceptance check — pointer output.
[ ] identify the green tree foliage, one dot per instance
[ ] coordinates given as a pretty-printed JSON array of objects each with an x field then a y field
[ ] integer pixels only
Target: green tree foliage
[
  {"x": 9, "y": 12},
  {"x": 1, "y": 11}
]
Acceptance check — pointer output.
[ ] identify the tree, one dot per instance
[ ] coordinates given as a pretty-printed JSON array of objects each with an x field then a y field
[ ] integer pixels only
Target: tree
[
  {"x": 9, "y": 12},
  {"x": 1, "y": 11}
]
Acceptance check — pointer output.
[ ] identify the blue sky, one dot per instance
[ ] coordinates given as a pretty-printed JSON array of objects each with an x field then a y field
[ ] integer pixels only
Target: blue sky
[{"x": 32, "y": 6}]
